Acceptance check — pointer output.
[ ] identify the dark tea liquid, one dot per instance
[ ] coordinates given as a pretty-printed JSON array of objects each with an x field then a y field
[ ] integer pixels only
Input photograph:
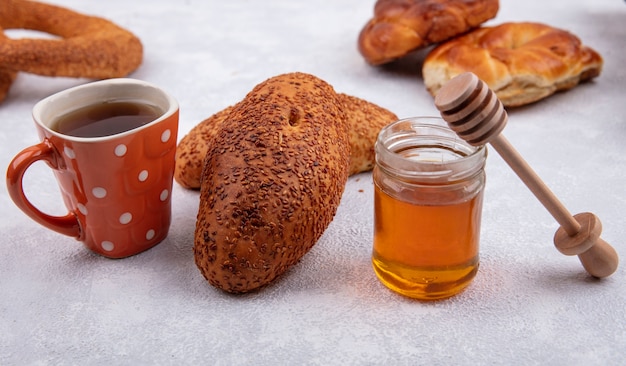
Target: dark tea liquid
[{"x": 106, "y": 119}]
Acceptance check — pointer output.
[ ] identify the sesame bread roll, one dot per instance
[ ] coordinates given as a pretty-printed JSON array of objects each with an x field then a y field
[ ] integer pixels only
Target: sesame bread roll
[{"x": 271, "y": 182}]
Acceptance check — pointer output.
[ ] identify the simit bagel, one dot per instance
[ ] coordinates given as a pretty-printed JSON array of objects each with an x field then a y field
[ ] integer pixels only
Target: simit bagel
[
  {"x": 521, "y": 62},
  {"x": 401, "y": 26},
  {"x": 271, "y": 183},
  {"x": 90, "y": 47},
  {"x": 6, "y": 79}
]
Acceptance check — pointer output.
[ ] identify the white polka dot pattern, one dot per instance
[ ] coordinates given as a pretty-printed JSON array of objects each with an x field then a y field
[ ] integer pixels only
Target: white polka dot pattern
[
  {"x": 126, "y": 218},
  {"x": 99, "y": 192},
  {"x": 120, "y": 189},
  {"x": 165, "y": 136},
  {"x": 107, "y": 245},
  {"x": 82, "y": 209},
  {"x": 143, "y": 175},
  {"x": 120, "y": 150},
  {"x": 69, "y": 152}
]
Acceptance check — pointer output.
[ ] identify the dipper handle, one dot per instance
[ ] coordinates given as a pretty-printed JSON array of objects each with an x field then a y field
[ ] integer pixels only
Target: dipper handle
[{"x": 475, "y": 113}]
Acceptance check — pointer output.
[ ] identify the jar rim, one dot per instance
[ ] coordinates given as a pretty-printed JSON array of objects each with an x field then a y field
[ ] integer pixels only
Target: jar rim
[{"x": 432, "y": 138}]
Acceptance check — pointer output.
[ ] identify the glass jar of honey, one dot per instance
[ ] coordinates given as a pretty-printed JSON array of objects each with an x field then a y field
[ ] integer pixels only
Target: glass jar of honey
[{"x": 428, "y": 193}]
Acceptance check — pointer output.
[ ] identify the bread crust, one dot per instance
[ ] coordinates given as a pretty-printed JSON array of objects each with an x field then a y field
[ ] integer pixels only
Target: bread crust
[
  {"x": 192, "y": 149},
  {"x": 521, "y": 62},
  {"x": 401, "y": 26},
  {"x": 363, "y": 120},
  {"x": 6, "y": 80},
  {"x": 91, "y": 47},
  {"x": 272, "y": 182}
]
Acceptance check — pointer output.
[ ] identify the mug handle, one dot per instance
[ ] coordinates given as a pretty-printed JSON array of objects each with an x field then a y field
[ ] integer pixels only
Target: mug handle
[{"x": 68, "y": 224}]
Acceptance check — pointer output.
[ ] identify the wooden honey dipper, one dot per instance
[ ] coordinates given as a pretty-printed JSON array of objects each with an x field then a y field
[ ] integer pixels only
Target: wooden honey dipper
[{"x": 475, "y": 113}]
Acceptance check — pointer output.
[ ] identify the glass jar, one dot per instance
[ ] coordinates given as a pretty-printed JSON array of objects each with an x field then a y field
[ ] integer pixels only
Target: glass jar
[{"x": 427, "y": 208}]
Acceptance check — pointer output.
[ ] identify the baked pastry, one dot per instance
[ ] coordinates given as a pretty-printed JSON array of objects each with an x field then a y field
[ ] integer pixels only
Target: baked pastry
[
  {"x": 521, "y": 62},
  {"x": 272, "y": 181},
  {"x": 401, "y": 26},
  {"x": 90, "y": 47},
  {"x": 6, "y": 80},
  {"x": 192, "y": 149},
  {"x": 363, "y": 119}
]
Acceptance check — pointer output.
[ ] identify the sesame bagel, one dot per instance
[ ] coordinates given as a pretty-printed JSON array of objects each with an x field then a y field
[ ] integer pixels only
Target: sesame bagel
[
  {"x": 271, "y": 182},
  {"x": 85, "y": 46}
]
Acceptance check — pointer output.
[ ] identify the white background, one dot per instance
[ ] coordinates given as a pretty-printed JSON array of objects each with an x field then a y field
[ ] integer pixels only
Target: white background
[{"x": 529, "y": 304}]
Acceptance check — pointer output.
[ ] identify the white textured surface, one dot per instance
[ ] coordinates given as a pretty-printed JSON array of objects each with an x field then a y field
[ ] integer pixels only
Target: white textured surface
[{"x": 529, "y": 305}]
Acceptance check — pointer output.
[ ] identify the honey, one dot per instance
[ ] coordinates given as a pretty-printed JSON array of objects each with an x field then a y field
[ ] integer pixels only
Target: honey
[
  {"x": 426, "y": 249},
  {"x": 427, "y": 209}
]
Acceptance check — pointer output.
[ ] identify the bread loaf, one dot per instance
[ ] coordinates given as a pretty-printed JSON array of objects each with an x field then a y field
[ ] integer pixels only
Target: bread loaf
[
  {"x": 192, "y": 149},
  {"x": 363, "y": 120},
  {"x": 272, "y": 181}
]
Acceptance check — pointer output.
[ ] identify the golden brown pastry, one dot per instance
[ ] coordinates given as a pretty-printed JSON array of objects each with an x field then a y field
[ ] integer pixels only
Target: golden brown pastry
[
  {"x": 364, "y": 120},
  {"x": 90, "y": 47},
  {"x": 6, "y": 79},
  {"x": 401, "y": 26},
  {"x": 521, "y": 62},
  {"x": 272, "y": 182},
  {"x": 192, "y": 149}
]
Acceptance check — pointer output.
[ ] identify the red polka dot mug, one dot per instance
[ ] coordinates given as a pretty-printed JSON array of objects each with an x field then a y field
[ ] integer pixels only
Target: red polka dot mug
[{"x": 116, "y": 182}]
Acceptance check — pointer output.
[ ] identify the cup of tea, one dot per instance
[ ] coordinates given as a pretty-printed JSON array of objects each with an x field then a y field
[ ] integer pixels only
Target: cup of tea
[{"x": 111, "y": 145}]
